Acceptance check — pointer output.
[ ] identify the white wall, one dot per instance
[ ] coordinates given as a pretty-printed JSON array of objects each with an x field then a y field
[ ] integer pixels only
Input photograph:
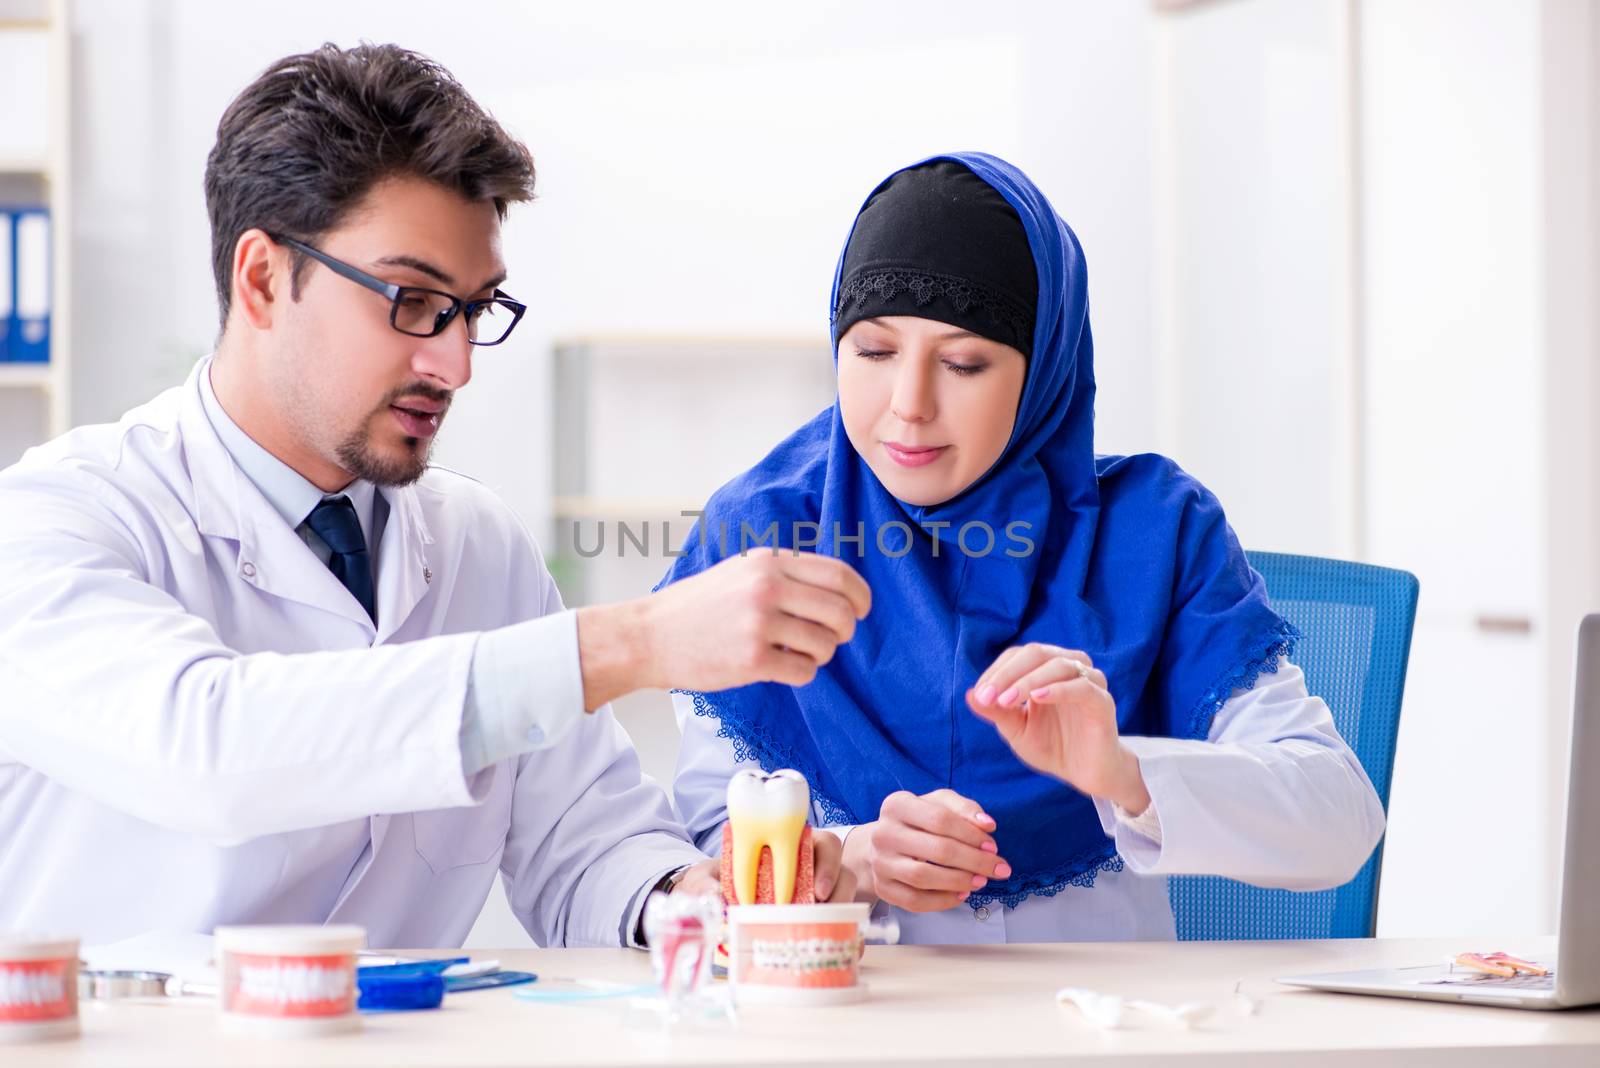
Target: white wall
[
  {"x": 698, "y": 170},
  {"x": 1451, "y": 100},
  {"x": 1255, "y": 240},
  {"x": 1372, "y": 343},
  {"x": 1570, "y": 161}
]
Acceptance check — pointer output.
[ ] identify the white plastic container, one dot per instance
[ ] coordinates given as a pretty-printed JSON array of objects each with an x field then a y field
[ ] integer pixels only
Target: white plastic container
[
  {"x": 38, "y": 988},
  {"x": 289, "y": 980}
]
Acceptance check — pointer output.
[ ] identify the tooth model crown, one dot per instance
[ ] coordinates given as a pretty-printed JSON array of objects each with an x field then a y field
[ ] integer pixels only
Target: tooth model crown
[{"x": 766, "y": 831}]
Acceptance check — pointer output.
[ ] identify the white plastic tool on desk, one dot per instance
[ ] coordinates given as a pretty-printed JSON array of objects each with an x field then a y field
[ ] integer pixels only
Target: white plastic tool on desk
[{"x": 1110, "y": 1011}]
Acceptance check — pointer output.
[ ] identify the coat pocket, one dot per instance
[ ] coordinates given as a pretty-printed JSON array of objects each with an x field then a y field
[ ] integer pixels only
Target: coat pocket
[{"x": 449, "y": 838}]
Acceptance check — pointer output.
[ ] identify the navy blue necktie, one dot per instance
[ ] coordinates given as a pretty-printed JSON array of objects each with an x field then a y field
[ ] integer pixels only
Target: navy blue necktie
[{"x": 335, "y": 522}]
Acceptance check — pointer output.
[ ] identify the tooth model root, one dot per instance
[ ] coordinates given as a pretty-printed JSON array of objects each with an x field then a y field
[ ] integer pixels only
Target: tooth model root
[
  {"x": 754, "y": 838},
  {"x": 766, "y": 881},
  {"x": 785, "y": 865}
]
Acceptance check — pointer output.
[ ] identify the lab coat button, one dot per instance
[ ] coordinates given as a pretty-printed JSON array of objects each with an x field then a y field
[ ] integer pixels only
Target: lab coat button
[
  {"x": 535, "y": 735},
  {"x": 983, "y": 913},
  {"x": 427, "y": 574},
  {"x": 248, "y": 570}
]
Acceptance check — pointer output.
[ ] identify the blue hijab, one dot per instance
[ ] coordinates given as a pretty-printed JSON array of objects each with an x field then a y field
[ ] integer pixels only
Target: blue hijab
[{"x": 1132, "y": 562}]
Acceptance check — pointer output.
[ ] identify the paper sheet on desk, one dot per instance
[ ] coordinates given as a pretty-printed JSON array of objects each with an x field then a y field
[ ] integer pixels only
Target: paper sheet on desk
[{"x": 187, "y": 955}]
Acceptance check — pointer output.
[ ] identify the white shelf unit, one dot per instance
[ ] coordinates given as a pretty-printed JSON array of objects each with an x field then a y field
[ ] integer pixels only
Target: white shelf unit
[
  {"x": 45, "y": 172},
  {"x": 22, "y": 162},
  {"x": 26, "y": 375},
  {"x": 647, "y": 426}
]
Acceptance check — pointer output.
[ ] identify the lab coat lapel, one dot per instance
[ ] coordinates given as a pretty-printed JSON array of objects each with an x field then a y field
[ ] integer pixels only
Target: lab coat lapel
[
  {"x": 270, "y": 555},
  {"x": 404, "y": 576}
]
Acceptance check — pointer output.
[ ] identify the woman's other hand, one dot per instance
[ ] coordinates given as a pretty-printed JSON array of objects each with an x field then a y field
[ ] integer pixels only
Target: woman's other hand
[
  {"x": 925, "y": 854},
  {"x": 1052, "y": 707}
]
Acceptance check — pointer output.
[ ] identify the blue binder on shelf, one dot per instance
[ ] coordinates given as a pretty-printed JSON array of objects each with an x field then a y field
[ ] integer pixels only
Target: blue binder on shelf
[
  {"x": 8, "y": 289},
  {"x": 28, "y": 330}
]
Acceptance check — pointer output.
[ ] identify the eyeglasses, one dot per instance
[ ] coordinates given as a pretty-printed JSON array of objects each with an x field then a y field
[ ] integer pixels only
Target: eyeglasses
[{"x": 426, "y": 312}]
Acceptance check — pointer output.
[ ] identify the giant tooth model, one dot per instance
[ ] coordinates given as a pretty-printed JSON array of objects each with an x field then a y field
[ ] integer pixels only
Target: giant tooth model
[{"x": 766, "y": 845}]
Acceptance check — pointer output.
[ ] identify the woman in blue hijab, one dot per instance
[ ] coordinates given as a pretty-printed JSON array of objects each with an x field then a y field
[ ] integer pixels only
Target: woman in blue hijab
[{"x": 1071, "y": 683}]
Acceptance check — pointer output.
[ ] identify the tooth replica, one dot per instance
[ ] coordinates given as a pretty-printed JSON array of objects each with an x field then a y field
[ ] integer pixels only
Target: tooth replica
[{"x": 766, "y": 845}]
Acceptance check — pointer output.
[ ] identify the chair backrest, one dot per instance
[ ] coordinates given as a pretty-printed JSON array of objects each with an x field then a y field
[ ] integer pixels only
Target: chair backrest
[{"x": 1356, "y": 624}]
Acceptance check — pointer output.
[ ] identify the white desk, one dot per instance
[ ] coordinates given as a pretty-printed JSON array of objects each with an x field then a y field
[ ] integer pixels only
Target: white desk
[{"x": 944, "y": 1005}]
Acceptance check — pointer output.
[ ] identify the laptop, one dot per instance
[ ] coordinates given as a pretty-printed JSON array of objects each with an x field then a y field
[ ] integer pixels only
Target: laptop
[{"x": 1574, "y": 977}]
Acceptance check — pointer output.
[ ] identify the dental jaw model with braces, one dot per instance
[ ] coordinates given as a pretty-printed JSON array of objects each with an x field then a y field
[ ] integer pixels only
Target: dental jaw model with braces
[{"x": 784, "y": 946}]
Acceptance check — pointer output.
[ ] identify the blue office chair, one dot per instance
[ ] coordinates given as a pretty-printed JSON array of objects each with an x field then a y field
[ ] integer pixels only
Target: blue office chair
[{"x": 1356, "y": 623}]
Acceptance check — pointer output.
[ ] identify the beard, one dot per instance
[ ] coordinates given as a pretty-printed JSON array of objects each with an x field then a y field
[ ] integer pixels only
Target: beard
[{"x": 357, "y": 455}]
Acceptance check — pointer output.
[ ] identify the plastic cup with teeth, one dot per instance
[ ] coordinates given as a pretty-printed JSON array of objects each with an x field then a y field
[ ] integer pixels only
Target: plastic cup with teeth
[
  {"x": 683, "y": 931},
  {"x": 784, "y": 945}
]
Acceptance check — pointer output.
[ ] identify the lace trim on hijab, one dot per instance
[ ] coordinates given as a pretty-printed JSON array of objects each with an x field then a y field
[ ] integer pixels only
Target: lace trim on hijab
[
  {"x": 1280, "y": 644},
  {"x": 1079, "y": 871},
  {"x": 886, "y": 283},
  {"x": 754, "y": 744}
]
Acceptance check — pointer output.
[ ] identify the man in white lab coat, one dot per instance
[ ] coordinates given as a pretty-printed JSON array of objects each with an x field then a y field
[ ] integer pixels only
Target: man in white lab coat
[{"x": 261, "y": 662}]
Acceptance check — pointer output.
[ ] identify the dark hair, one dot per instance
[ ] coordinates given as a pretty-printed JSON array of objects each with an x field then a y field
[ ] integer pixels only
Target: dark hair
[{"x": 305, "y": 142}]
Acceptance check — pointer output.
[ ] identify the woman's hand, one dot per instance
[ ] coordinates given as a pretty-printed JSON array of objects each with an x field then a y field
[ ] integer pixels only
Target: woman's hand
[
  {"x": 1052, "y": 707},
  {"x": 924, "y": 854},
  {"x": 831, "y": 878}
]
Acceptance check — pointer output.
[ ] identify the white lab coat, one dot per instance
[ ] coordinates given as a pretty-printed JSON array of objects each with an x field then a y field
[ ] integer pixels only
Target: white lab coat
[{"x": 199, "y": 725}]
